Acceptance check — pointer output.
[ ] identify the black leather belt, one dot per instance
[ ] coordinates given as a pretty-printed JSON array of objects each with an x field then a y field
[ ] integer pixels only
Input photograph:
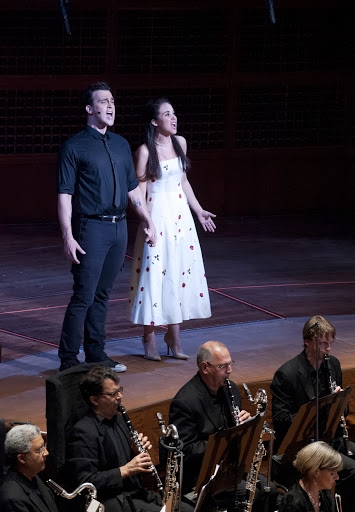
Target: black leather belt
[{"x": 108, "y": 218}]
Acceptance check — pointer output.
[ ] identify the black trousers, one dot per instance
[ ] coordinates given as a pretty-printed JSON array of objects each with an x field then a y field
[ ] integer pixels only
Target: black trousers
[{"x": 105, "y": 245}]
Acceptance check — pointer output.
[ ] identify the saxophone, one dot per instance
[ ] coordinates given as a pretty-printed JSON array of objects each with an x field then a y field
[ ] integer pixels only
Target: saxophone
[
  {"x": 92, "y": 505},
  {"x": 137, "y": 442},
  {"x": 252, "y": 476},
  {"x": 235, "y": 409},
  {"x": 332, "y": 386},
  {"x": 170, "y": 441}
]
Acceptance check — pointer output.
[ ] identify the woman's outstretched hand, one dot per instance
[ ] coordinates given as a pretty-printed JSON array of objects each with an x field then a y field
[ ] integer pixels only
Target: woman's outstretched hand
[{"x": 206, "y": 221}]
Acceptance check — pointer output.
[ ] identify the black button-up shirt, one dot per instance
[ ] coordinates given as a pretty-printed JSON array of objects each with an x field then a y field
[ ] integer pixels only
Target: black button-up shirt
[{"x": 98, "y": 171}]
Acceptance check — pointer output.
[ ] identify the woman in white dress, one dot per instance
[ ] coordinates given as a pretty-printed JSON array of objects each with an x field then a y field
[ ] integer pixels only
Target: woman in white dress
[{"x": 168, "y": 282}]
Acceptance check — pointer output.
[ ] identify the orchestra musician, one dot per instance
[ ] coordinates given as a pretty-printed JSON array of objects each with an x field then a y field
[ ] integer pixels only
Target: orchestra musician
[
  {"x": 22, "y": 489},
  {"x": 294, "y": 384},
  {"x": 101, "y": 449},
  {"x": 201, "y": 408},
  {"x": 318, "y": 464}
]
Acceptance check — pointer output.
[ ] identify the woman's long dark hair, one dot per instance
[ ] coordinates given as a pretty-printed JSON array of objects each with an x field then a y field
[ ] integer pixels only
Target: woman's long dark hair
[{"x": 151, "y": 111}]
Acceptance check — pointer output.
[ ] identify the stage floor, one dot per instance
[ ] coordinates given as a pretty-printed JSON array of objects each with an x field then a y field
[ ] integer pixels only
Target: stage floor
[{"x": 266, "y": 277}]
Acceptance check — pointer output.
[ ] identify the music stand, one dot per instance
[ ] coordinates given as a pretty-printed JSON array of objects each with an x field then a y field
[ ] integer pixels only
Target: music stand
[
  {"x": 302, "y": 431},
  {"x": 232, "y": 452}
]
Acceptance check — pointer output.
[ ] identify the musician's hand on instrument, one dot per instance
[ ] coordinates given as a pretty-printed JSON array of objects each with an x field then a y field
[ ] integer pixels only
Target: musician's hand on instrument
[
  {"x": 337, "y": 389},
  {"x": 144, "y": 441},
  {"x": 141, "y": 463},
  {"x": 243, "y": 416}
]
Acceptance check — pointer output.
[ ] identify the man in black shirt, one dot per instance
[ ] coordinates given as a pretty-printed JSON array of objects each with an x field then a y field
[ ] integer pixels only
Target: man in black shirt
[
  {"x": 22, "y": 490},
  {"x": 203, "y": 407},
  {"x": 96, "y": 177},
  {"x": 294, "y": 384},
  {"x": 100, "y": 449}
]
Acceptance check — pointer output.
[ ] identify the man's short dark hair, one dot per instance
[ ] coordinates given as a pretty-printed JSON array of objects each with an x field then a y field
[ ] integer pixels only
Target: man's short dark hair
[
  {"x": 97, "y": 86},
  {"x": 92, "y": 382}
]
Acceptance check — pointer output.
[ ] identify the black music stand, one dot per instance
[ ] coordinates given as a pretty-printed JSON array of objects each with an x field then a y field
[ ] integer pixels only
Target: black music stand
[
  {"x": 303, "y": 431},
  {"x": 231, "y": 451}
]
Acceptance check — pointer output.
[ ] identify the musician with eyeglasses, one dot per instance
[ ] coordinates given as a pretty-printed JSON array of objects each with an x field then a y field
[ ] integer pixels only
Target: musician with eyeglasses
[
  {"x": 22, "y": 489},
  {"x": 100, "y": 449},
  {"x": 201, "y": 408},
  {"x": 294, "y": 384}
]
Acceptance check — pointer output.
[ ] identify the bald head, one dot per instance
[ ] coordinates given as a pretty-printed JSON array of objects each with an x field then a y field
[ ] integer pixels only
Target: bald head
[
  {"x": 214, "y": 364},
  {"x": 209, "y": 350}
]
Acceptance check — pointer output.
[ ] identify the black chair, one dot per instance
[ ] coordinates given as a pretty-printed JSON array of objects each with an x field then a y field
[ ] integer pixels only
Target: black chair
[{"x": 64, "y": 407}]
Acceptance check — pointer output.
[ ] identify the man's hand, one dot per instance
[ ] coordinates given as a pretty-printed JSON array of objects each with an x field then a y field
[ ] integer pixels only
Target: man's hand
[
  {"x": 243, "y": 416},
  {"x": 70, "y": 248},
  {"x": 145, "y": 443},
  {"x": 141, "y": 463},
  {"x": 151, "y": 238}
]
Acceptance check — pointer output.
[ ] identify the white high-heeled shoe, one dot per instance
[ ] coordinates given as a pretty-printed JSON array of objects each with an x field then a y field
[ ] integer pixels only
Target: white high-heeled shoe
[
  {"x": 150, "y": 350},
  {"x": 176, "y": 353}
]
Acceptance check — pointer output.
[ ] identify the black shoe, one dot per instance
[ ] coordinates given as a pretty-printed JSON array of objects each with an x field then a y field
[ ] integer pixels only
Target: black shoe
[
  {"x": 68, "y": 364},
  {"x": 114, "y": 365}
]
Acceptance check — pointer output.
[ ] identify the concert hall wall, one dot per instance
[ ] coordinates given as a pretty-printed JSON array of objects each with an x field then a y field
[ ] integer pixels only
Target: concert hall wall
[{"x": 267, "y": 109}]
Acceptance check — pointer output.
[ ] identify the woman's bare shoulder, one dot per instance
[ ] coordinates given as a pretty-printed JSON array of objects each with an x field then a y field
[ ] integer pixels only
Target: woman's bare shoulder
[
  {"x": 142, "y": 152},
  {"x": 182, "y": 141}
]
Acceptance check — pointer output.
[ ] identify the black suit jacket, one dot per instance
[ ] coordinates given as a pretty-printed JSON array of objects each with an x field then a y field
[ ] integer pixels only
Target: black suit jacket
[
  {"x": 93, "y": 456},
  {"x": 292, "y": 387},
  {"x": 18, "y": 494},
  {"x": 195, "y": 416}
]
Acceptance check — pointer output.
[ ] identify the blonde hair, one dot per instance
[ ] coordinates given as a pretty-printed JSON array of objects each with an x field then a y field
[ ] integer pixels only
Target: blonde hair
[
  {"x": 316, "y": 327},
  {"x": 317, "y": 455}
]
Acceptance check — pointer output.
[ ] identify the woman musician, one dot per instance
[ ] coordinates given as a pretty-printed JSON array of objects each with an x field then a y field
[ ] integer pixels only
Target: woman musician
[{"x": 318, "y": 465}]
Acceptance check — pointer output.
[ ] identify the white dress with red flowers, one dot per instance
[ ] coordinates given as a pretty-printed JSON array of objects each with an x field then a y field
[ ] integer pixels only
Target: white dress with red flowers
[{"x": 168, "y": 282}]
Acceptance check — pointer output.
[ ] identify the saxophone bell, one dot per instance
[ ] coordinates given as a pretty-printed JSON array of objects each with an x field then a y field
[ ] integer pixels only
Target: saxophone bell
[{"x": 92, "y": 505}]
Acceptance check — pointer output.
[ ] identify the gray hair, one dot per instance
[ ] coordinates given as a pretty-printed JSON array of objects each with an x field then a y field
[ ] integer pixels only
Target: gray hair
[
  {"x": 18, "y": 440},
  {"x": 205, "y": 352}
]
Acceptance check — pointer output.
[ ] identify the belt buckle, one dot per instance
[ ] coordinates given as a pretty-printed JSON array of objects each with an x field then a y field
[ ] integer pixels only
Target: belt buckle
[{"x": 114, "y": 217}]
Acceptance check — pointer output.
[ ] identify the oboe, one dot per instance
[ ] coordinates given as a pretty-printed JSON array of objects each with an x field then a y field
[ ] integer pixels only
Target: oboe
[
  {"x": 235, "y": 409},
  {"x": 332, "y": 386},
  {"x": 137, "y": 442}
]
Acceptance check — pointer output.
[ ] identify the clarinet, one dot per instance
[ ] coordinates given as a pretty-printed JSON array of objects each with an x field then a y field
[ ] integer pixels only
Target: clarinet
[
  {"x": 235, "y": 409},
  {"x": 332, "y": 386},
  {"x": 137, "y": 442}
]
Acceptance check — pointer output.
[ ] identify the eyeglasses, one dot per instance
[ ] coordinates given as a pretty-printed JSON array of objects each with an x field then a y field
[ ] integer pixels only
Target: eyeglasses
[
  {"x": 41, "y": 451},
  {"x": 221, "y": 366},
  {"x": 113, "y": 394}
]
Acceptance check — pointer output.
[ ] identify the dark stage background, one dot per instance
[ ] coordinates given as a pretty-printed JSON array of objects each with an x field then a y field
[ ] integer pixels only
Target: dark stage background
[{"x": 267, "y": 109}]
